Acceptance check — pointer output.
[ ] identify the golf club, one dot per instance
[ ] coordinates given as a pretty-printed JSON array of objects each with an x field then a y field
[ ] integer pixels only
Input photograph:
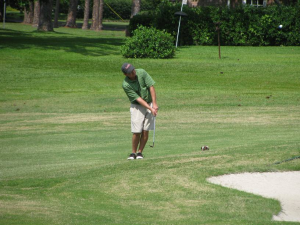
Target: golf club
[{"x": 152, "y": 146}]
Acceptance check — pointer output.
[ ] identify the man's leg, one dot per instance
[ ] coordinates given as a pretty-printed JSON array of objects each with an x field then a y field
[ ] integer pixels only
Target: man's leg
[
  {"x": 143, "y": 140},
  {"x": 135, "y": 141},
  {"x": 139, "y": 140}
]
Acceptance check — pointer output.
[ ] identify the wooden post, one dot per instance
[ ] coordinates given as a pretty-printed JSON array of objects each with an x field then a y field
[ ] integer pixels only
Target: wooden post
[{"x": 219, "y": 42}]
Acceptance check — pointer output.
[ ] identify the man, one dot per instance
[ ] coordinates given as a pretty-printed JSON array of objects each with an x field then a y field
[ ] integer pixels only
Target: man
[{"x": 138, "y": 86}]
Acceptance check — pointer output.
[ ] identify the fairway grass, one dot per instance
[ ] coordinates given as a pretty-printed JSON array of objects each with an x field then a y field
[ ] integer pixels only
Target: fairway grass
[{"x": 65, "y": 130}]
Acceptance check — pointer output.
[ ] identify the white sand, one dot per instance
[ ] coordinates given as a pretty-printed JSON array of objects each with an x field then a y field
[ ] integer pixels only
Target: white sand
[{"x": 283, "y": 186}]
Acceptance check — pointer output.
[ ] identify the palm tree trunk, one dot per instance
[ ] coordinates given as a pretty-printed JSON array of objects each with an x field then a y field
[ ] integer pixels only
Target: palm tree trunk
[
  {"x": 36, "y": 15},
  {"x": 95, "y": 18},
  {"x": 45, "y": 20},
  {"x": 135, "y": 8},
  {"x": 71, "y": 20},
  {"x": 28, "y": 13},
  {"x": 97, "y": 15},
  {"x": 101, "y": 14},
  {"x": 86, "y": 15}
]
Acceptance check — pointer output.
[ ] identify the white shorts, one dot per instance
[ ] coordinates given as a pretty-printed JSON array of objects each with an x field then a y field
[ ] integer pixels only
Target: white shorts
[{"x": 141, "y": 118}]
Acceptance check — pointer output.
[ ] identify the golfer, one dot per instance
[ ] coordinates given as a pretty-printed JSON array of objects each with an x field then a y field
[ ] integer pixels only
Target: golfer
[{"x": 138, "y": 86}]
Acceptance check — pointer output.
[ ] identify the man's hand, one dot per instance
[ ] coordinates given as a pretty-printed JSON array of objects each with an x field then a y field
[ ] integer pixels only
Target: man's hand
[
  {"x": 145, "y": 104},
  {"x": 155, "y": 107},
  {"x": 153, "y": 111}
]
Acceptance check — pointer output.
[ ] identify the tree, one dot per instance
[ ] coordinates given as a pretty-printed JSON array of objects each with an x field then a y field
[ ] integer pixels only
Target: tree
[
  {"x": 36, "y": 14},
  {"x": 71, "y": 20},
  {"x": 97, "y": 15},
  {"x": 135, "y": 8},
  {"x": 28, "y": 12},
  {"x": 86, "y": 15},
  {"x": 45, "y": 20}
]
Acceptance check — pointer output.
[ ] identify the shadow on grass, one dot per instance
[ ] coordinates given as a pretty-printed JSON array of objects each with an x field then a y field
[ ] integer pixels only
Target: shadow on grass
[{"x": 91, "y": 46}]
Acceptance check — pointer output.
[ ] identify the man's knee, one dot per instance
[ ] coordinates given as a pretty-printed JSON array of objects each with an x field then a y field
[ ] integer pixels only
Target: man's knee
[{"x": 145, "y": 133}]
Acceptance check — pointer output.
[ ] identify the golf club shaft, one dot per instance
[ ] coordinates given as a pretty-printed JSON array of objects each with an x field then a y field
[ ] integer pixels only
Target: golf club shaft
[
  {"x": 154, "y": 131},
  {"x": 153, "y": 134}
]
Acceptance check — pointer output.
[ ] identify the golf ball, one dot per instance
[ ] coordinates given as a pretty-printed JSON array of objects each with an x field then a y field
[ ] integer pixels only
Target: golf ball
[{"x": 280, "y": 26}]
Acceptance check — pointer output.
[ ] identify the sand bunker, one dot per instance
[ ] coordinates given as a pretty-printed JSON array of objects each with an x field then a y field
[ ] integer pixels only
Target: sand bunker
[{"x": 283, "y": 186}]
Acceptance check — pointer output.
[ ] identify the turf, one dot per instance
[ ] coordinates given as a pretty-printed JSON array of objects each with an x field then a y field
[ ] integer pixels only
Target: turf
[{"x": 65, "y": 130}]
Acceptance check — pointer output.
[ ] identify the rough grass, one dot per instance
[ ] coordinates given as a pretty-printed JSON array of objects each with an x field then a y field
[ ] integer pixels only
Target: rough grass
[{"x": 65, "y": 134}]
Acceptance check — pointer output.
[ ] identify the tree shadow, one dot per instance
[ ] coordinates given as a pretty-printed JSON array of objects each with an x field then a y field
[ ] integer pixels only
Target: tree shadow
[{"x": 90, "y": 46}]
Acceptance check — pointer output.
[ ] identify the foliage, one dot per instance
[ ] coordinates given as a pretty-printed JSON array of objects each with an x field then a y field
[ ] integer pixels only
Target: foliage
[
  {"x": 165, "y": 19},
  {"x": 243, "y": 25},
  {"x": 145, "y": 20},
  {"x": 112, "y": 9},
  {"x": 259, "y": 26},
  {"x": 149, "y": 43},
  {"x": 202, "y": 24},
  {"x": 121, "y": 7}
]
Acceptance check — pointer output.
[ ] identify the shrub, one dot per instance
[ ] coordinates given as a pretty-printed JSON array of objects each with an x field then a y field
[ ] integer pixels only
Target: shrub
[{"x": 149, "y": 43}]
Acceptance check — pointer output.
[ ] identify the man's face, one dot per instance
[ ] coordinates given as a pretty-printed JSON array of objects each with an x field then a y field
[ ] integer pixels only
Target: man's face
[{"x": 132, "y": 75}]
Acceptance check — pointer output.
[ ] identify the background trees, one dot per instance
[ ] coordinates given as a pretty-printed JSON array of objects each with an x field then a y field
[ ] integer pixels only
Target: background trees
[
  {"x": 49, "y": 12},
  {"x": 44, "y": 14}
]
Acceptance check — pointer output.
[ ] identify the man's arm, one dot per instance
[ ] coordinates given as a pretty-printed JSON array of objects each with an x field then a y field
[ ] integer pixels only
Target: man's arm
[{"x": 153, "y": 96}]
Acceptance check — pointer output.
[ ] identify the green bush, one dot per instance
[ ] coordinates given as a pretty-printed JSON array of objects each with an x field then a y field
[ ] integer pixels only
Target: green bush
[{"x": 149, "y": 43}]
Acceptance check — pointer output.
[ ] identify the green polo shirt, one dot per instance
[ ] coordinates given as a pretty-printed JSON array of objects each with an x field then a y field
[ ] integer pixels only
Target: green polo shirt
[{"x": 138, "y": 87}]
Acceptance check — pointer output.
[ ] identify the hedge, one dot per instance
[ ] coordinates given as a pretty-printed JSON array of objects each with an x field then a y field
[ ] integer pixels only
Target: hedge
[{"x": 244, "y": 25}]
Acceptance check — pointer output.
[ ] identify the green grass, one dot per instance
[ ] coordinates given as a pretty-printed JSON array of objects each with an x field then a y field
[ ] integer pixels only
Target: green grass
[{"x": 65, "y": 130}]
